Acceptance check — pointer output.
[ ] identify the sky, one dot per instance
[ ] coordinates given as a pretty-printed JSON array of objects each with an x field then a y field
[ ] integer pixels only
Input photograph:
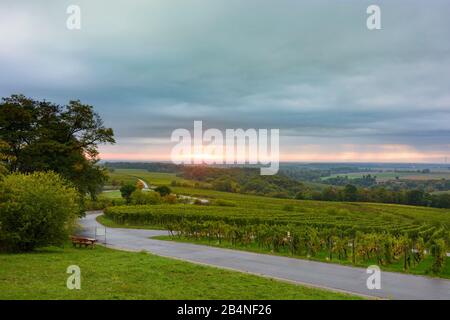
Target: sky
[{"x": 335, "y": 90}]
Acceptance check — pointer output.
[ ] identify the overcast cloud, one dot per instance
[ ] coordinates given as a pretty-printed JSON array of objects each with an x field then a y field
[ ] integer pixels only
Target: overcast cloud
[{"x": 336, "y": 90}]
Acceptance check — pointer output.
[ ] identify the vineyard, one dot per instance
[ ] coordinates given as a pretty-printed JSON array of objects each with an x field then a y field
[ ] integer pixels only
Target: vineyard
[
  {"x": 395, "y": 220},
  {"x": 345, "y": 231}
]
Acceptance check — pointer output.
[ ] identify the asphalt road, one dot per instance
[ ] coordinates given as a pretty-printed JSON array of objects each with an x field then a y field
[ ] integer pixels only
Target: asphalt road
[{"x": 316, "y": 274}]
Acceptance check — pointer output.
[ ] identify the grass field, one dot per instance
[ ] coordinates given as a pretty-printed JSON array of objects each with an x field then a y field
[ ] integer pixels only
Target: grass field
[
  {"x": 112, "y": 274},
  {"x": 113, "y": 194},
  {"x": 152, "y": 178}
]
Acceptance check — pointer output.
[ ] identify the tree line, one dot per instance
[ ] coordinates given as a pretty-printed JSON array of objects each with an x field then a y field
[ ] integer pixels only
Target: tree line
[
  {"x": 380, "y": 194},
  {"x": 248, "y": 181}
]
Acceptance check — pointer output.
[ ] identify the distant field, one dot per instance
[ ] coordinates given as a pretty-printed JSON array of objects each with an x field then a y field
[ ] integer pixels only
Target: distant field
[
  {"x": 151, "y": 178},
  {"x": 429, "y": 176},
  {"x": 122, "y": 175},
  {"x": 315, "y": 186},
  {"x": 385, "y": 176},
  {"x": 441, "y": 192}
]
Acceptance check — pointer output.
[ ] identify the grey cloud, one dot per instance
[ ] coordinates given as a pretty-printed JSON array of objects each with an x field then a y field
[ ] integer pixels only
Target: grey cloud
[{"x": 310, "y": 68}]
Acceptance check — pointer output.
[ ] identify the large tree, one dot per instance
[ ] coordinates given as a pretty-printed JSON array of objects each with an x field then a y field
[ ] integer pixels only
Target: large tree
[
  {"x": 3, "y": 158},
  {"x": 43, "y": 136}
]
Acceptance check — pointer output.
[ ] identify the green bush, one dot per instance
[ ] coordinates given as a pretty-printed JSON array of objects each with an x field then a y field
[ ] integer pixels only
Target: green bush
[
  {"x": 36, "y": 210},
  {"x": 126, "y": 191},
  {"x": 163, "y": 190},
  {"x": 145, "y": 197}
]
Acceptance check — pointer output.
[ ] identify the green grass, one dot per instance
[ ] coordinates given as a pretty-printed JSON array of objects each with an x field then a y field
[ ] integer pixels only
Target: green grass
[
  {"x": 152, "y": 178},
  {"x": 158, "y": 178},
  {"x": 419, "y": 269},
  {"x": 112, "y": 274},
  {"x": 123, "y": 175},
  {"x": 114, "y": 194}
]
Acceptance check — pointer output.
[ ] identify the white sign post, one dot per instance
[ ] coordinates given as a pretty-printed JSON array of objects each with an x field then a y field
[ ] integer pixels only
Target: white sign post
[{"x": 100, "y": 231}]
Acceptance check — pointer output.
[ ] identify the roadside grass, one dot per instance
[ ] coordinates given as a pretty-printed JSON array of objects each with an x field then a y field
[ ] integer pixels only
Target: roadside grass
[
  {"x": 113, "y": 274},
  {"x": 419, "y": 269}
]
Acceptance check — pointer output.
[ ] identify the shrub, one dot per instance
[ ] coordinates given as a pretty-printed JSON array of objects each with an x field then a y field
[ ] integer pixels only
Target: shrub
[
  {"x": 126, "y": 191},
  {"x": 99, "y": 204},
  {"x": 163, "y": 190},
  {"x": 36, "y": 210},
  {"x": 145, "y": 197}
]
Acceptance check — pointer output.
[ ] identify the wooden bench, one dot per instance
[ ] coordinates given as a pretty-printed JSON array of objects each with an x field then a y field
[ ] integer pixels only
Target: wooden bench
[{"x": 81, "y": 241}]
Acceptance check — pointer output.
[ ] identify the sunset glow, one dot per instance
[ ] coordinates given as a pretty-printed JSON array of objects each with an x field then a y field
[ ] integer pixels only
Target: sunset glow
[{"x": 310, "y": 153}]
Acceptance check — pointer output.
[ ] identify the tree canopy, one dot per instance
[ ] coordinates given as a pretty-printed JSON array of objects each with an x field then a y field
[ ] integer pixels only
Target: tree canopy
[{"x": 43, "y": 136}]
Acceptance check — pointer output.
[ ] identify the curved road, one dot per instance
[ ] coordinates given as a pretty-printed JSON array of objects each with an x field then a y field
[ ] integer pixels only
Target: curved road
[
  {"x": 144, "y": 183},
  {"x": 310, "y": 273}
]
